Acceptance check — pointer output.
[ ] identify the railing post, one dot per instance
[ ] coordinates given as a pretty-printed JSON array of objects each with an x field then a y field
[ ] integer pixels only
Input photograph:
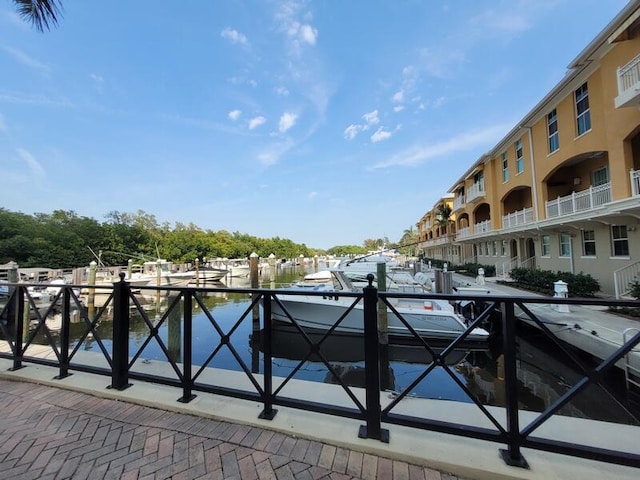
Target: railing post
[
  {"x": 372, "y": 366},
  {"x": 64, "y": 334},
  {"x": 634, "y": 176},
  {"x": 268, "y": 412},
  {"x": 120, "y": 364},
  {"x": 18, "y": 323},
  {"x": 512, "y": 455},
  {"x": 187, "y": 349},
  {"x": 620, "y": 82}
]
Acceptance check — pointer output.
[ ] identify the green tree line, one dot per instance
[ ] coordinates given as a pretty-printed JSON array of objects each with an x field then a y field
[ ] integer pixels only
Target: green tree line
[{"x": 64, "y": 239}]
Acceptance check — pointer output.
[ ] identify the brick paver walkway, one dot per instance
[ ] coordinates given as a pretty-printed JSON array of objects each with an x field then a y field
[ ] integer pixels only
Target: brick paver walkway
[{"x": 50, "y": 433}]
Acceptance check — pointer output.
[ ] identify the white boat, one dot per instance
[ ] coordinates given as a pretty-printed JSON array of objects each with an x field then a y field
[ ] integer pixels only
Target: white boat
[
  {"x": 357, "y": 269},
  {"x": 238, "y": 269},
  {"x": 368, "y": 263},
  {"x": 431, "y": 319},
  {"x": 107, "y": 276},
  {"x": 400, "y": 281},
  {"x": 208, "y": 274},
  {"x": 159, "y": 273}
]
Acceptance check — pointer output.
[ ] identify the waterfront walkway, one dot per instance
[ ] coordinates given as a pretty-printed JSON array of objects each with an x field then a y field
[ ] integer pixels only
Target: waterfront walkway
[
  {"x": 78, "y": 428},
  {"x": 50, "y": 433}
]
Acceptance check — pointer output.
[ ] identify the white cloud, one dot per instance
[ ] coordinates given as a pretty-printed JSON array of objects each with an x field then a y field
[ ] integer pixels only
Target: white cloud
[
  {"x": 274, "y": 152},
  {"x": 293, "y": 22},
  {"x": 25, "y": 59},
  {"x": 398, "y": 97},
  {"x": 282, "y": 91},
  {"x": 243, "y": 81},
  {"x": 234, "y": 36},
  {"x": 287, "y": 120},
  {"x": 34, "y": 166},
  {"x": 256, "y": 122},
  {"x": 312, "y": 195},
  {"x": 302, "y": 33},
  {"x": 442, "y": 63},
  {"x": 267, "y": 158},
  {"x": 308, "y": 34},
  {"x": 419, "y": 154},
  {"x": 371, "y": 118},
  {"x": 97, "y": 80},
  {"x": 438, "y": 102},
  {"x": 398, "y": 108},
  {"x": 351, "y": 131},
  {"x": 234, "y": 114},
  {"x": 380, "y": 135},
  {"x": 35, "y": 99},
  {"x": 508, "y": 22}
]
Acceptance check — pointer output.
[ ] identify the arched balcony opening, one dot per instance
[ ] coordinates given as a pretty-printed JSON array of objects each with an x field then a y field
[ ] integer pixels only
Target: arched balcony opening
[
  {"x": 517, "y": 207},
  {"x": 482, "y": 218},
  {"x": 579, "y": 184}
]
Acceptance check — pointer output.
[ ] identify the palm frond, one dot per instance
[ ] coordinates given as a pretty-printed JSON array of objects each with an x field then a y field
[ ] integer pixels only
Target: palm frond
[{"x": 43, "y": 14}]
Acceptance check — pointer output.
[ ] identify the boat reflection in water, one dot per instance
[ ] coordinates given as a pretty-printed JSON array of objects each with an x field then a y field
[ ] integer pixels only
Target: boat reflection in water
[{"x": 345, "y": 353}]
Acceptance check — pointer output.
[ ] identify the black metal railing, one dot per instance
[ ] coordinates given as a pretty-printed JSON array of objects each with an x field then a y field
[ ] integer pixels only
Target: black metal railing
[{"x": 22, "y": 320}]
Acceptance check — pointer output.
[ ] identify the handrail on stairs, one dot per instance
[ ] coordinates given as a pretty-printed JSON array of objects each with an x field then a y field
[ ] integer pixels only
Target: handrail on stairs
[
  {"x": 623, "y": 277},
  {"x": 631, "y": 373}
]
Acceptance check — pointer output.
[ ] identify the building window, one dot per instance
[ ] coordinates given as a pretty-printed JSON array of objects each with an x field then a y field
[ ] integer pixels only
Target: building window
[
  {"x": 583, "y": 116},
  {"x": 599, "y": 177},
  {"x": 519, "y": 157},
  {"x": 495, "y": 249},
  {"x": 565, "y": 245},
  {"x": 619, "y": 241},
  {"x": 546, "y": 246},
  {"x": 552, "y": 129},
  {"x": 478, "y": 179},
  {"x": 503, "y": 248},
  {"x": 589, "y": 243},
  {"x": 505, "y": 168}
]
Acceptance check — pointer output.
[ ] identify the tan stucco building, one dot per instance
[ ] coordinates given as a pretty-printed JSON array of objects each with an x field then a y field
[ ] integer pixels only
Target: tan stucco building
[{"x": 562, "y": 190}]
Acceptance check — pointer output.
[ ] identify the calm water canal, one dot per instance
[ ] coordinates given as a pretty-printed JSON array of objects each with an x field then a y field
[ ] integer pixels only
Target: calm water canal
[{"x": 544, "y": 374}]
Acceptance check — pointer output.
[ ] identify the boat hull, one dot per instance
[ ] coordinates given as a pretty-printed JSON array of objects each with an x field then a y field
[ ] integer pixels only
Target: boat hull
[{"x": 319, "y": 313}]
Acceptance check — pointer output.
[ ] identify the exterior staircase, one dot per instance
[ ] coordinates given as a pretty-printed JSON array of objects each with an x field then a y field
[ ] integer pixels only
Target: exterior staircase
[{"x": 623, "y": 277}]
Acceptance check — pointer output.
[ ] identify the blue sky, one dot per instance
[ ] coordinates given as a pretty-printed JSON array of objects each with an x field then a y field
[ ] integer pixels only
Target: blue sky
[{"x": 326, "y": 122}]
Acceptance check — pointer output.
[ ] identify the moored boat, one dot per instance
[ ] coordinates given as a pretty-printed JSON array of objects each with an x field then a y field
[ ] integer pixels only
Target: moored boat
[
  {"x": 159, "y": 273},
  {"x": 429, "y": 318}
]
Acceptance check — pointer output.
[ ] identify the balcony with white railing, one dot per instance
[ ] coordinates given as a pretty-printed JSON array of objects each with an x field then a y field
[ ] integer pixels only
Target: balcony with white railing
[
  {"x": 520, "y": 217},
  {"x": 588, "y": 199},
  {"x": 629, "y": 84},
  {"x": 458, "y": 203},
  {"x": 635, "y": 182},
  {"x": 442, "y": 240},
  {"x": 463, "y": 233},
  {"x": 482, "y": 227},
  {"x": 475, "y": 191}
]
